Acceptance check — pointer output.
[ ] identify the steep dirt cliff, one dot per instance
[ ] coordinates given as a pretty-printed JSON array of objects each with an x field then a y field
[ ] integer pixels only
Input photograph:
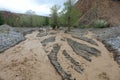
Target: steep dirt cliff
[{"x": 99, "y": 9}]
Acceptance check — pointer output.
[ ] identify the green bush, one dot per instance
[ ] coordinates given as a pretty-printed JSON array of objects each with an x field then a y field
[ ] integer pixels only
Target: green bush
[{"x": 100, "y": 24}]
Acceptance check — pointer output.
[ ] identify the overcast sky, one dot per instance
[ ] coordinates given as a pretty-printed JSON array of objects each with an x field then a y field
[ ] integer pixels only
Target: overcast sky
[{"x": 41, "y": 7}]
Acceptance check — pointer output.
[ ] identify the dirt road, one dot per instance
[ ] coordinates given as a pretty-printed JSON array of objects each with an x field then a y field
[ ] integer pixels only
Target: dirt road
[{"x": 29, "y": 59}]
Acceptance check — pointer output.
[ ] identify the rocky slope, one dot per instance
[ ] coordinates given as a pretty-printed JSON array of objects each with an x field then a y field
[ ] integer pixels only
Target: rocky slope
[{"x": 99, "y": 9}]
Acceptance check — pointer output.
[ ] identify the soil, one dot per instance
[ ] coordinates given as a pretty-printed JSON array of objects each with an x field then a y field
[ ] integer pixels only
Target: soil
[{"x": 30, "y": 60}]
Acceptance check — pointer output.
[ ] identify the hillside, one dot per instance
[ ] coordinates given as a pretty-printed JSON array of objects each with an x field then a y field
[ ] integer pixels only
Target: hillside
[{"x": 99, "y": 9}]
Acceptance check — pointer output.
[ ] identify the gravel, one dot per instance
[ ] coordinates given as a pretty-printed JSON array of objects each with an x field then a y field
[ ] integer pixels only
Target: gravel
[
  {"x": 109, "y": 36},
  {"x": 83, "y": 50},
  {"x": 114, "y": 45},
  {"x": 54, "y": 61},
  {"x": 48, "y": 40},
  {"x": 75, "y": 65},
  {"x": 25, "y": 30},
  {"x": 106, "y": 33},
  {"x": 85, "y": 39},
  {"x": 42, "y": 34},
  {"x": 115, "y": 42},
  {"x": 100, "y": 33},
  {"x": 9, "y": 37}
]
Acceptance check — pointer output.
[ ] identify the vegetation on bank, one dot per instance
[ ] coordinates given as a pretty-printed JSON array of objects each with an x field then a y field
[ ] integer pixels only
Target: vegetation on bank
[
  {"x": 98, "y": 23},
  {"x": 67, "y": 17},
  {"x": 54, "y": 20},
  {"x": 23, "y": 20}
]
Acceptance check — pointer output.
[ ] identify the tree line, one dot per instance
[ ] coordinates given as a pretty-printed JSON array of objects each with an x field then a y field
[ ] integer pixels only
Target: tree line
[
  {"x": 67, "y": 17},
  {"x": 22, "y": 20}
]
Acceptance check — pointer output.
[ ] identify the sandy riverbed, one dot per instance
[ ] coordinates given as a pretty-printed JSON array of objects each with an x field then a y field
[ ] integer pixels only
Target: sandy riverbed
[{"x": 29, "y": 61}]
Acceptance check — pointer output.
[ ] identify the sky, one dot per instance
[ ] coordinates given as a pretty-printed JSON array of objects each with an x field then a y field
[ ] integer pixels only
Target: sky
[{"x": 41, "y": 7}]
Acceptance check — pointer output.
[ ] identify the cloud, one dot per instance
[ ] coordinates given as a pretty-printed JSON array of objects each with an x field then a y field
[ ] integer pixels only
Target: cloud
[
  {"x": 53, "y": 2},
  {"x": 41, "y": 7},
  {"x": 23, "y": 5}
]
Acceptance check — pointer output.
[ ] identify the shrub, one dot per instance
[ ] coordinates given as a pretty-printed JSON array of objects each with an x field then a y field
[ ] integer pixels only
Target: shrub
[{"x": 100, "y": 24}]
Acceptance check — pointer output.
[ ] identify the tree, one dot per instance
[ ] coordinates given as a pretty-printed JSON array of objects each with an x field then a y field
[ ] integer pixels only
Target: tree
[
  {"x": 71, "y": 13},
  {"x": 54, "y": 16},
  {"x": 1, "y": 20},
  {"x": 46, "y": 21},
  {"x": 62, "y": 20}
]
